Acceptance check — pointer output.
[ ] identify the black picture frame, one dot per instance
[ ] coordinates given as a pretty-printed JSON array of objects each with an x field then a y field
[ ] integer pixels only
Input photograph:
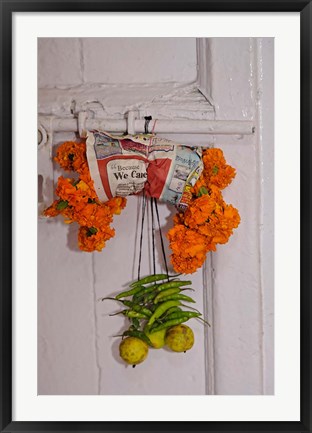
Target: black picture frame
[{"x": 7, "y": 9}]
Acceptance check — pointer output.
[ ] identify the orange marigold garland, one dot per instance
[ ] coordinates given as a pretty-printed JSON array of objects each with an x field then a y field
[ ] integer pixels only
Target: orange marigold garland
[
  {"x": 208, "y": 220},
  {"x": 78, "y": 201}
]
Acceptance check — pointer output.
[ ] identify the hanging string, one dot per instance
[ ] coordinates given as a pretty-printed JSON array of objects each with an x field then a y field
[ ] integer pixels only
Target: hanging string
[
  {"x": 153, "y": 129},
  {"x": 161, "y": 238},
  {"x": 142, "y": 229},
  {"x": 153, "y": 236},
  {"x": 151, "y": 139},
  {"x": 147, "y": 121}
]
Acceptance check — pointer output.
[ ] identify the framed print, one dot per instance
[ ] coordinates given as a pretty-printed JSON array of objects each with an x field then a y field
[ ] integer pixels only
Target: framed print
[{"x": 155, "y": 216}]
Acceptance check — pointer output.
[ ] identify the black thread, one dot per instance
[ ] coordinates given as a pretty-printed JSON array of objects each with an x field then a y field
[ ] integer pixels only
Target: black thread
[
  {"x": 153, "y": 236},
  {"x": 147, "y": 121},
  {"x": 142, "y": 228},
  {"x": 161, "y": 239}
]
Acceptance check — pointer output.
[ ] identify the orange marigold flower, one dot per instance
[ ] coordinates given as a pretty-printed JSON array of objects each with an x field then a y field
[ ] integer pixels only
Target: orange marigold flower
[
  {"x": 102, "y": 216},
  {"x": 199, "y": 211},
  {"x": 65, "y": 187},
  {"x": 91, "y": 191},
  {"x": 188, "y": 247},
  {"x": 221, "y": 224},
  {"x": 116, "y": 204},
  {"x": 216, "y": 170},
  {"x": 90, "y": 239},
  {"x": 52, "y": 211},
  {"x": 200, "y": 186},
  {"x": 187, "y": 265},
  {"x": 67, "y": 190},
  {"x": 178, "y": 218},
  {"x": 83, "y": 186},
  {"x": 79, "y": 202},
  {"x": 186, "y": 241},
  {"x": 232, "y": 216},
  {"x": 96, "y": 215},
  {"x": 69, "y": 214},
  {"x": 208, "y": 220},
  {"x": 216, "y": 195},
  {"x": 71, "y": 156}
]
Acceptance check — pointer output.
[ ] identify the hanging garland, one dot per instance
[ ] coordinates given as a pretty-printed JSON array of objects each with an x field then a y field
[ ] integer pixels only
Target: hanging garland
[
  {"x": 156, "y": 305},
  {"x": 78, "y": 201},
  {"x": 206, "y": 222}
]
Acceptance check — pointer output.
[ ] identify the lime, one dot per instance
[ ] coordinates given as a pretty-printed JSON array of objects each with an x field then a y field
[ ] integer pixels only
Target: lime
[
  {"x": 179, "y": 338},
  {"x": 157, "y": 338},
  {"x": 133, "y": 350}
]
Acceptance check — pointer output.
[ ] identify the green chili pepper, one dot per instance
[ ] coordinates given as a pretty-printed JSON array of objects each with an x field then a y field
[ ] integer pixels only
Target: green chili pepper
[
  {"x": 162, "y": 308},
  {"x": 168, "y": 324},
  {"x": 158, "y": 288},
  {"x": 179, "y": 314},
  {"x": 153, "y": 278},
  {"x": 200, "y": 318},
  {"x": 145, "y": 299},
  {"x": 178, "y": 297},
  {"x": 133, "y": 305},
  {"x": 141, "y": 309},
  {"x": 127, "y": 293},
  {"x": 150, "y": 297},
  {"x": 138, "y": 299},
  {"x": 172, "y": 310},
  {"x": 128, "y": 304},
  {"x": 132, "y": 314},
  {"x": 135, "y": 322},
  {"x": 173, "y": 284},
  {"x": 192, "y": 308},
  {"x": 153, "y": 307},
  {"x": 165, "y": 293},
  {"x": 149, "y": 279},
  {"x": 138, "y": 308},
  {"x": 207, "y": 323},
  {"x": 137, "y": 334},
  {"x": 143, "y": 291}
]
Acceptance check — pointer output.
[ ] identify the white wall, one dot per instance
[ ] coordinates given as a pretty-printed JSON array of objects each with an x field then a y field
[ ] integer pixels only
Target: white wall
[
  {"x": 76, "y": 351},
  {"x": 73, "y": 61},
  {"x": 242, "y": 88}
]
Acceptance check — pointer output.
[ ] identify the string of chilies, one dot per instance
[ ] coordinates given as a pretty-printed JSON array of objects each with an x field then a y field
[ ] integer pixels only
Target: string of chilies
[
  {"x": 153, "y": 237},
  {"x": 156, "y": 308},
  {"x": 142, "y": 230},
  {"x": 153, "y": 205},
  {"x": 161, "y": 238}
]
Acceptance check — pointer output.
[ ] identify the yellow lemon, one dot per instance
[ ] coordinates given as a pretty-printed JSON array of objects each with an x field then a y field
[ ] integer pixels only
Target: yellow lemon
[
  {"x": 179, "y": 338},
  {"x": 157, "y": 338},
  {"x": 133, "y": 350}
]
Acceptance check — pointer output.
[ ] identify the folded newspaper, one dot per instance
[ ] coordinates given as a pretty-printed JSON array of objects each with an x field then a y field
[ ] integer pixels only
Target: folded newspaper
[{"x": 128, "y": 164}]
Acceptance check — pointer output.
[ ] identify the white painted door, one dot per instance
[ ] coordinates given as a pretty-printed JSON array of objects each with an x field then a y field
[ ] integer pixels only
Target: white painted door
[{"x": 77, "y": 350}]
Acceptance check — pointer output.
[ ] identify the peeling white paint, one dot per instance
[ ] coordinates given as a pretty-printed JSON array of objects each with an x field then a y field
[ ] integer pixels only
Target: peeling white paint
[{"x": 113, "y": 101}]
